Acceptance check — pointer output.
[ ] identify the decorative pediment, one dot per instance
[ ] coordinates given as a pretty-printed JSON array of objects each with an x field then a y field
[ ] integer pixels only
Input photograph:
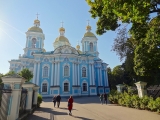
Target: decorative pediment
[{"x": 66, "y": 50}]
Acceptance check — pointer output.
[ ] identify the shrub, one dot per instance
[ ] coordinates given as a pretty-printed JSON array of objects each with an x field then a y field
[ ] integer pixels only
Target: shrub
[
  {"x": 144, "y": 102},
  {"x": 39, "y": 100},
  {"x": 135, "y": 101}
]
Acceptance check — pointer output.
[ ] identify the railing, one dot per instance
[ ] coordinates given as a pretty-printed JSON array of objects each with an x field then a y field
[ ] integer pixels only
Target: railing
[
  {"x": 5, "y": 95},
  {"x": 154, "y": 91},
  {"x": 22, "y": 107}
]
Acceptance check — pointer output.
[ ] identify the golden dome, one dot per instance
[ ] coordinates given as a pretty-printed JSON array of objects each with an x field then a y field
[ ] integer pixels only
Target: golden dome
[
  {"x": 35, "y": 29},
  {"x": 61, "y": 29},
  {"x": 36, "y": 21},
  {"x": 89, "y": 34},
  {"x": 78, "y": 47},
  {"x": 44, "y": 50},
  {"x": 80, "y": 52},
  {"x": 62, "y": 39},
  {"x": 88, "y": 27}
]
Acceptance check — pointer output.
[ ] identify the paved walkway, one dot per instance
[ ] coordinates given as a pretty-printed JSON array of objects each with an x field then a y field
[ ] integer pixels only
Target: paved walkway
[{"x": 89, "y": 108}]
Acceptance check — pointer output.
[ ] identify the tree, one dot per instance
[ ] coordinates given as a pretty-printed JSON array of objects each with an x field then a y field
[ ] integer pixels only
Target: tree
[
  {"x": 110, "y": 12},
  {"x": 25, "y": 73}
]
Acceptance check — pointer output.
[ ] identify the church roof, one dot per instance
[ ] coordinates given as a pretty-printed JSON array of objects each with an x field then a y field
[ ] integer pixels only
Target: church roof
[
  {"x": 89, "y": 34},
  {"x": 62, "y": 39},
  {"x": 35, "y": 29}
]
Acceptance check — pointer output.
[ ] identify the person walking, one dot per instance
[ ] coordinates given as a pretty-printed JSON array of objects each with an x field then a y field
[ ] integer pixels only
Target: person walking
[
  {"x": 54, "y": 100},
  {"x": 101, "y": 98},
  {"x": 105, "y": 98},
  {"x": 58, "y": 99},
  {"x": 70, "y": 105}
]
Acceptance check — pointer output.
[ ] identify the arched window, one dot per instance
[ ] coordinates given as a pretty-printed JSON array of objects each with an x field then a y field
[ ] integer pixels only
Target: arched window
[
  {"x": 45, "y": 71},
  {"x": 91, "y": 47},
  {"x": 84, "y": 86},
  {"x": 44, "y": 87},
  {"x": 66, "y": 70},
  {"x": 66, "y": 87},
  {"x": 83, "y": 72},
  {"x": 32, "y": 53},
  {"x": 34, "y": 43}
]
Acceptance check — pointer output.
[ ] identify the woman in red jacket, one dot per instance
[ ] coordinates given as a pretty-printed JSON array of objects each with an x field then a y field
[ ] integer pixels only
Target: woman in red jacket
[{"x": 70, "y": 104}]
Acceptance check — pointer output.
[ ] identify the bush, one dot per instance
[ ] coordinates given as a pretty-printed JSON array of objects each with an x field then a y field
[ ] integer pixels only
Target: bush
[
  {"x": 133, "y": 100},
  {"x": 39, "y": 100}
]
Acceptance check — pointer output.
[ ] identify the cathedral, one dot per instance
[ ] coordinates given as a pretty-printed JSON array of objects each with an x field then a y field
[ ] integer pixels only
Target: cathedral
[{"x": 65, "y": 70}]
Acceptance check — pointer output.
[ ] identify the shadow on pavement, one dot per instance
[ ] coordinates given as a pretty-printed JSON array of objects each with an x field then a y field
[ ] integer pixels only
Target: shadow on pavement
[
  {"x": 65, "y": 108},
  {"x": 42, "y": 112},
  {"x": 82, "y": 118}
]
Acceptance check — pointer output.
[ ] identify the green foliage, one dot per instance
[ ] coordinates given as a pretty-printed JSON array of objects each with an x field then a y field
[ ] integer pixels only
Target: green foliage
[
  {"x": 9, "y": 73},
  {"x": 133, "y": 100},
  {"x": 39, "y": 100},
  {"x": 25, "y": 73}
]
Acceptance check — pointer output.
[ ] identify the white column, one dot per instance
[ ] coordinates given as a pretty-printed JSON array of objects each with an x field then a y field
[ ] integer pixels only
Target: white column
[
  {"x": 55, "y": 77},
  {"x": 35, "y": 95},
  {"x": 90, "y": 74},
  {"x": 78, "y": 75},
  {"x": 93, "y": 79},
  {"x": 58, "y": 73},
  {"x": 38, "y": 73},
  {"x": 52, "y": 72},
  {"x": 73, "y": 73},
  {"x": 34, "y": 74},
  {"x": 101, "y": 75},
  {"x": 106, "y": 77}
]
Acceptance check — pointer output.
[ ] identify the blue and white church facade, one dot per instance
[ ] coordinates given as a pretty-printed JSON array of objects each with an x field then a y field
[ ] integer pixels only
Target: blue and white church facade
[{"x": 65, "y": 70}]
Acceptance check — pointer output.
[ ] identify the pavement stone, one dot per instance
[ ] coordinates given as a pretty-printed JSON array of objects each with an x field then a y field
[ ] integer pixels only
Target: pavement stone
[{"x": 89, "y": 108}]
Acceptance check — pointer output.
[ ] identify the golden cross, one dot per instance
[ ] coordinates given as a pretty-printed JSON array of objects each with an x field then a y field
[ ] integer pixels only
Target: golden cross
[
  {"x": 37, "y": 16},
  {"x": 88, "y": 22},
  {"x": 62, "y": 23}
]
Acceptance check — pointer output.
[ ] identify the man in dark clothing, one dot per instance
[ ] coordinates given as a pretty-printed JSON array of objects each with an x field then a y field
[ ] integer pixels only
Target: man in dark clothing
[
  {"x": 105, "y": 98},
  {"x": 58, "y": 99}
]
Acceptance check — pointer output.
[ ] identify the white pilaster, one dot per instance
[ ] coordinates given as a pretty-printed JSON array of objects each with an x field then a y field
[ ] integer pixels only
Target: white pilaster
[
  {"x": 55, "y": 80},
  {"x": 78, "y": 75},
  {"x": 34, "y": 74},
  {"x": 58, "y": 73},
  {"x": 101, "y": 75},
  {"x": 98, "y": 77},
  {"x": 52, "y": 72},
  {"x": 93, "y": 79},
  {"x": 38, "y": 73},
  {"x": 90, "y": 74},
  {"x": 73, "y": 73}
]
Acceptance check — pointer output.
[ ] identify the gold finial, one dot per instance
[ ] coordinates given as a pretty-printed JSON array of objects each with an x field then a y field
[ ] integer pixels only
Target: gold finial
[
  {"x": 88, "y": 28},
  {"x": 37, "y": 15},
  {"x": 78, "y": 47},
  {"x": 61, "y": 29}
]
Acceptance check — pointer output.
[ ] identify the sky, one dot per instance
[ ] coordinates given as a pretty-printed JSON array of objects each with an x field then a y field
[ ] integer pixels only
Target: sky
[{"x": 16, "y": 16}]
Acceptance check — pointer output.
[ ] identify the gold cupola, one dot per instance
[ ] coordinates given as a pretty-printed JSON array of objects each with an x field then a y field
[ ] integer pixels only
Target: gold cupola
[
  {"x": 36, "y": 27},
  {"x": 88, "y": 31},
  {"x": 61, "y": 40}
]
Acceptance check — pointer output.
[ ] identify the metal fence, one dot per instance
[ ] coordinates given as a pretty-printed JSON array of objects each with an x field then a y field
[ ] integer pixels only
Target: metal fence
[
  {"x": 22, "y": 107},
  {"x": 5, "y": 95},
  {"x": 154, "y": 91}
]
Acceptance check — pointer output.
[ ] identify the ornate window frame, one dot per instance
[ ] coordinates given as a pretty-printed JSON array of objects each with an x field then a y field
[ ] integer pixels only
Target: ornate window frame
[
  {"x": 82, "y": 71},
  {"x": 44, "y": 81},
  {"x": 66, "y": 64},
  {"x": 91, "y": 50},
  {"x": 43, "y": 70},
  {"x": 66, "y": 81},
  {"x": 84, "y": 81}
]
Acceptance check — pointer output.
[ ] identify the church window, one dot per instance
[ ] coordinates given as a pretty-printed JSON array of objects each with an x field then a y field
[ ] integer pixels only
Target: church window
[
  {"x": 45, "y": 71},
  {"x": 34, "y": 43},
  {"x": 66, "y": 87},
  {"x": 66, "y": 59},
  {"x": 66, "y": 70},
  {"x": 44, "y": 87},
  {"x": 83, "y": 72},
  {"x": 91, "y": 47},
  {"x": 84, "y": 86},
  {"x": 46, "y": 60}
]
